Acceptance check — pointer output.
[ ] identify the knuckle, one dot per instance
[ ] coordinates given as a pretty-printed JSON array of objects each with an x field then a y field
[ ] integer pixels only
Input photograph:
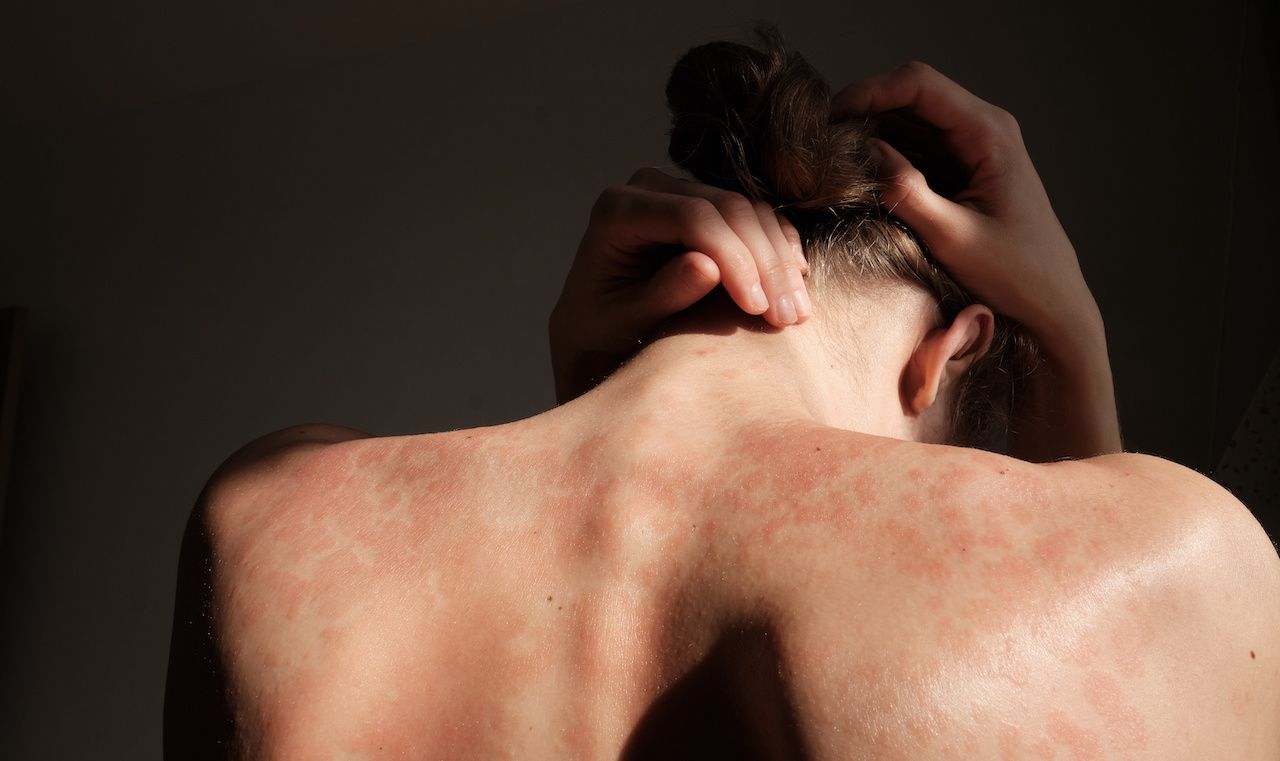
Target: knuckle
[
  {"x": 734, "y": 205},
  {"x": 911, "y": 180},
  {"x": 693, "y": 274},
  {"x": 906, "y": 187},
  {"x": 644, "y": 175},
  {"x": 608, "y": 204},
  {"x": 778, "y": 269},
  {"x": 1005, "y": 122},
  {"x": 695, "y": 211},
  {"x": 916, "y": 68}
]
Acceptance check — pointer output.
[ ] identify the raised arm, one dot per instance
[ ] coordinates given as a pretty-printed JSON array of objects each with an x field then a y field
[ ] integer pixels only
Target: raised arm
[{"x": 999, "y": 238}]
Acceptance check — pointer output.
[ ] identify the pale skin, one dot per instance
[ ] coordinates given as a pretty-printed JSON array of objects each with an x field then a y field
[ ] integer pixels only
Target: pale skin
[{"x": 744, "y": 540}]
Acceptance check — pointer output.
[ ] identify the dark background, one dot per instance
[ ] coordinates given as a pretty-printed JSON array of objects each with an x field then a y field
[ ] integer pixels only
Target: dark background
[{"x": 232, "y": 218}]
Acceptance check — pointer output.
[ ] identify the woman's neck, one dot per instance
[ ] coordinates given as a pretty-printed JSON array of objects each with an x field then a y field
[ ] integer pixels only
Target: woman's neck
[{"x": 717, "y": 370}]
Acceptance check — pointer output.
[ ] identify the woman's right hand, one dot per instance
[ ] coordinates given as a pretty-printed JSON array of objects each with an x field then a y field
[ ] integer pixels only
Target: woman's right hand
[
  {"x": 654, "y": 247},
  {"x": 998, "y": 236}
]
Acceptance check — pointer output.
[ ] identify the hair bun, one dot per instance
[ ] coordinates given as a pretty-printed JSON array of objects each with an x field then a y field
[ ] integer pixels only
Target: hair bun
[{"x": 758, "y": 122}]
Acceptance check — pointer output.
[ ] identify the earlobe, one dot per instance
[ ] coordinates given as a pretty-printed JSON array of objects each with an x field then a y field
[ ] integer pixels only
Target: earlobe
[{"x": 945, "y": 355}]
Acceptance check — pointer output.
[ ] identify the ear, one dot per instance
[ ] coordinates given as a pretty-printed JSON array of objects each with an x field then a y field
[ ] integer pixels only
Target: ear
[{"x": 944, "y": 355}]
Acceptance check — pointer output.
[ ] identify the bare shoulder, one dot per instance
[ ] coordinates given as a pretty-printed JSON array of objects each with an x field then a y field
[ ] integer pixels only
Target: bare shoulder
[
  {"x": 264, "y": 473},
  {"x": 316, "y": 559},
  {"x": 285, "y": 449},
  {"x": 1164, "y": 493},
  {"x": 254, "y": 481},
  {"x": 1135, "y": 508}
]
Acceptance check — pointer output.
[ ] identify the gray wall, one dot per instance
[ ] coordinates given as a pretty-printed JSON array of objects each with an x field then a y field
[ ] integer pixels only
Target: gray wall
[{"x": 231, "y": 220}]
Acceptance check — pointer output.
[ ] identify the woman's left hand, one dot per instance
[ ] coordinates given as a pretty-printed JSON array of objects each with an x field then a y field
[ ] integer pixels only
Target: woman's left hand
[{"x": 654, "y": 247}]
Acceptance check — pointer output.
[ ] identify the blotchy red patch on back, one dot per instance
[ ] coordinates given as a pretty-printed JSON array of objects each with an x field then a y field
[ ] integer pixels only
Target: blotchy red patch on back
[
  {"x": 1013, "y": 574},
  {"x": 1125, "y": 726},
  {"x": 1132, "y": 636},
  {"x": 949, "y": 483},
  {"x": 1011, "y": 745},
  {"x": 913, "y": 554},
  {"x": 1054, "y": 548},
  {"x": 1080, "y": 743}
]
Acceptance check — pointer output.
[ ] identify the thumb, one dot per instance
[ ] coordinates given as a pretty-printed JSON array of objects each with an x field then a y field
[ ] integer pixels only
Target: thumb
[
  {"x": 906, "y": 195},
  {"x": 677, "y": 285}
]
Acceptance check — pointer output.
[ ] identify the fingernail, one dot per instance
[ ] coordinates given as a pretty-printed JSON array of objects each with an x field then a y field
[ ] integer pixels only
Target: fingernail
[
  {"x": 786, "y": 312},
  {"x": 757, "y": 298},
  {"x": 804, "y": 307}
]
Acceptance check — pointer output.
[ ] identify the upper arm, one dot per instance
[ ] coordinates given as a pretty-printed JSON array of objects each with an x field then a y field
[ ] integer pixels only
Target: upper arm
[{"x": 198, "y": 722}]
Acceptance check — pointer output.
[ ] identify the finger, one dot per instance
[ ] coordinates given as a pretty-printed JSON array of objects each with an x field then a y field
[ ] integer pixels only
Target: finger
[
  {"x": 971, "y": 126},
  {"x": 633, "y": 219},
  {"x": 776, "y": 265},
  {"x": 676, "y": 286},
  {"x": 782, "y": 272},
  {"x": 942, "y": 224},
  {"x": 793, "y": 239}
]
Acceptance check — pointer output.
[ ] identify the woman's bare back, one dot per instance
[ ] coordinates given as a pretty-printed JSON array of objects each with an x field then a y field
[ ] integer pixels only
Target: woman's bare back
[{"x": 531, "y": 591}]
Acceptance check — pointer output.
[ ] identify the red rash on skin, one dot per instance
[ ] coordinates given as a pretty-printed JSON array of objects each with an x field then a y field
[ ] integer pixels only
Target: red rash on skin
[
  {"x": 1025, "y": 494},
  {"x": 1054, "y": 549},
  {"x": 1081, "y": 649},
  {"x": 1022, "y": 514},
  {"x": 993, "y": 534},
  {"x": 1132, "y": 637},
  {"x": 1126, "y": 729},
  {"x": 951, "y": 481},
  {"x": 1080, "y": 743},
  {"x": 1011, "y": 748},
  {"x": 1044, "y": 749},
  {"x": 912, "y": 553},
  {"x": 864, "y": 487},
  {"x": 543, "y": 557}
]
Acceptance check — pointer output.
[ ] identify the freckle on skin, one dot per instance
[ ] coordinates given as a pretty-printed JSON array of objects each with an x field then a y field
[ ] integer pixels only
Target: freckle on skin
[{"x": 1252, "y": 654}]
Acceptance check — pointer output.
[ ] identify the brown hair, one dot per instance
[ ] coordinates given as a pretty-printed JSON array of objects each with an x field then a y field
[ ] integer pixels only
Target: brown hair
[{"x": 758, "y": 121}]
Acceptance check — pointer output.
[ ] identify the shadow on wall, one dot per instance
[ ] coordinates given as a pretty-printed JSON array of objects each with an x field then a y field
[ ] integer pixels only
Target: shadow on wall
[{"x": 13, "y": 322}]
